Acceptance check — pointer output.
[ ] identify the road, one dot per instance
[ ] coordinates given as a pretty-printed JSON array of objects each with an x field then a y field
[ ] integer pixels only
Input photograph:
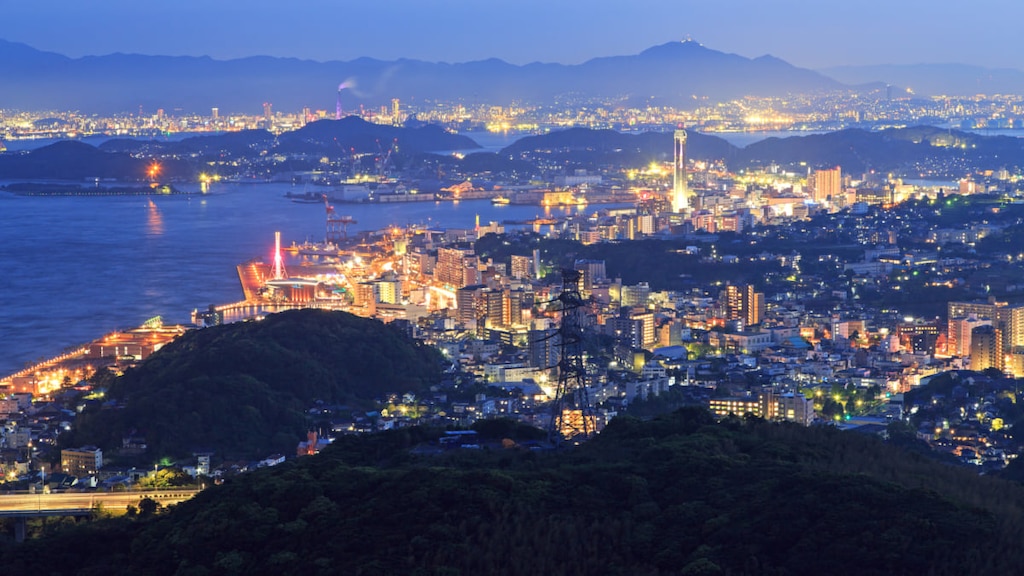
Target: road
[{"x": 37, "y": 504}]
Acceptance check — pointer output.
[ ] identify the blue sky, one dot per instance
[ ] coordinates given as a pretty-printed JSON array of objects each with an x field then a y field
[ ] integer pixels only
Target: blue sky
[{"x": 808, "y": 33}]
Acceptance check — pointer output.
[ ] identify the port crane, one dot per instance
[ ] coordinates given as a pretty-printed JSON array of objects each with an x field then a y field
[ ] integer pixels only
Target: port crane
[
  {"x": 384, "y": 158},
  {"x": 337, "y": 225}
]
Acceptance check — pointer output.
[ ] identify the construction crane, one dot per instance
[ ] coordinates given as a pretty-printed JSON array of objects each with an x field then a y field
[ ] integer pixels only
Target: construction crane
[{"x": 384, "y": 158}]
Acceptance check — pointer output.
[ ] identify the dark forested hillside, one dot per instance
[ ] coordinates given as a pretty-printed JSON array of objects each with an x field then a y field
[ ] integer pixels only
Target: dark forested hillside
[
  {"x": 677, "y": 495},
  {"x": 240, "y": 389}
]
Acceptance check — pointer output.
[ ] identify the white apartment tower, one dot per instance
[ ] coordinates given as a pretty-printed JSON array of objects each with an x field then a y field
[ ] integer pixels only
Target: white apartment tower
[{"x": 679, "y": 200}]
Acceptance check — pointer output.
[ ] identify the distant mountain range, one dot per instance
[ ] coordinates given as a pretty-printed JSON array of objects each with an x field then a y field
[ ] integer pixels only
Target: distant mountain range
[{"x": 678, "y": 73}]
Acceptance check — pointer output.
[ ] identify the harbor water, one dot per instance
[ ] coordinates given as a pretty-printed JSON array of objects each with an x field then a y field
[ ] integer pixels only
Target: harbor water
[{"x": 76, "y": 268}]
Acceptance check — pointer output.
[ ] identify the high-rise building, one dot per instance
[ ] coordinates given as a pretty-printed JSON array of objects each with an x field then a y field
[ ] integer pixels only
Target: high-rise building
[
  {"x": 365, "y": 297},
  {"x": 644, "y": 328},
  {"x": 215, "y": 112},
  {"x": 396, "y": 109},
  {"x": 627, "y": 329},
  {"x": 958, "y": 338},
  {"x": 987, "y": 348},
  {"x": 268, "y": 113},
  {"x": 542, "y": 348},
  {"x": 592, "y": 271},
  {"x": 645, "y": 224},
  {"x": 1008, "y": 319},
  {"x": 494, "y": 308},
  {"x": 744, "y": 303},
  {"x": 471, "y": 304},
  {"x": 679, "y": 200},
  {"x": 388, "y": 290},
  {"x": 636, "y": 295},
  {"x": 520, "y": 267},
  {"x": 512, "y": 308},
  {"x": 827, "y": 184},
  {"x": 450, "y": 269}
]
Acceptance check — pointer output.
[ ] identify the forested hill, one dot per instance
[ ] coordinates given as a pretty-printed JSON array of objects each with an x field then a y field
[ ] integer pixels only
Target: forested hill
[
  {"x": 677, "y": 495},
  {"x": 240, "y": 389}
]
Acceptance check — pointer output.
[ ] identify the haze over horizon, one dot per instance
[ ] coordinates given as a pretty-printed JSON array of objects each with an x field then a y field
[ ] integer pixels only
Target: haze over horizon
[{"x": 805, "y": 33}]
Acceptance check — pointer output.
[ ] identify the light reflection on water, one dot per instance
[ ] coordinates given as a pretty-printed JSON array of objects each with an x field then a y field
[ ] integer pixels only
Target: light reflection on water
[
  {"x": 155, "y": 221},
  {"x": 76, "y": 268}
]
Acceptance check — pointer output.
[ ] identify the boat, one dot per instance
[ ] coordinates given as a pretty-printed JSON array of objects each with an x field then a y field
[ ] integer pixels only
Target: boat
[
  {"x": 500, "y": 200},
  {"x": 307, "y": 197}
]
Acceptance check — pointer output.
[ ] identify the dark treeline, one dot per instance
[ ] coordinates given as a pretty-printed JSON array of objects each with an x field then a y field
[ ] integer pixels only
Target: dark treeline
[
  {"x": 663, "y": 264},
  {"x": 679, "y": 494}
]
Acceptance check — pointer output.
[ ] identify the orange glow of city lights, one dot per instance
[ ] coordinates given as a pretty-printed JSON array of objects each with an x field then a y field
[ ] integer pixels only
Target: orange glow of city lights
[{"x": 154, "y": 170}]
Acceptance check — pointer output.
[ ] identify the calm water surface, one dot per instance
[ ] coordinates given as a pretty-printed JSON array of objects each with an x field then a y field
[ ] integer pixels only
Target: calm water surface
[{"x": 76, "y": 268}]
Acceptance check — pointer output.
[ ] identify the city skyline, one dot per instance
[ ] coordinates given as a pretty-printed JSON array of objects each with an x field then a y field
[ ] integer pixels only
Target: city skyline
[{"x": 807, "y": 34}]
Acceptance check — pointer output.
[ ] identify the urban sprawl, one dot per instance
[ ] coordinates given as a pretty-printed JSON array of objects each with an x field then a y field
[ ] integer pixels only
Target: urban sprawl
[{"x": 800, "y": 293}]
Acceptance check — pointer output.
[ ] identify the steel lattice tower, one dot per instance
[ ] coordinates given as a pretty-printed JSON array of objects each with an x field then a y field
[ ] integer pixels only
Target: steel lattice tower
[{"x": 572, "y": 416}]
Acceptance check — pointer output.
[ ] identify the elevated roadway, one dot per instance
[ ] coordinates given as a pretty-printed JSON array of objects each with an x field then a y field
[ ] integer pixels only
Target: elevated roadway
[{"x": 22, "y": 506}]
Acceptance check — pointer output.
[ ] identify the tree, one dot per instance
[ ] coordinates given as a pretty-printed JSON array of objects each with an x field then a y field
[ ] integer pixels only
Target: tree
[{"x": 148, "y": 507}]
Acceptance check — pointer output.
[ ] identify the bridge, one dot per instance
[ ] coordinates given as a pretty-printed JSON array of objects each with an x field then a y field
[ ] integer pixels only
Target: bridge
[{"x": 23, "y": 506}]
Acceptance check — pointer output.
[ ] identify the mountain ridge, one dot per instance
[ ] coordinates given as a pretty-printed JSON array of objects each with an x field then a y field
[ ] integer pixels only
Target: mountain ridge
[{"x": 673, "y": 72}]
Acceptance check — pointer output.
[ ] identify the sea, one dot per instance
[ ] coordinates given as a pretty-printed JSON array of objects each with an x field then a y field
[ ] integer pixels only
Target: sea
[{"x": 76, "y": 268}]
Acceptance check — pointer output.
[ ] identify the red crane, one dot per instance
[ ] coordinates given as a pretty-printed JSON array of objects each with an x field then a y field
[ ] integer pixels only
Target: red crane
[{"x": 337, "y": 226}]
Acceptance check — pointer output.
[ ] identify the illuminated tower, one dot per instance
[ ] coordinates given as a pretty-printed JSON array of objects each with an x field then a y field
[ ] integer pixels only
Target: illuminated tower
[
  {"x": 395, "y": 108},
  {"x": 337, "y": 106},
  {"x": 679, "y": 201},
  {"x": 278, "y": 272}
]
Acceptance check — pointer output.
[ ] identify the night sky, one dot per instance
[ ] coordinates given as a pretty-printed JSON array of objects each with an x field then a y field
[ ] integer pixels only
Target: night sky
[{"x": 807, "y": 33}]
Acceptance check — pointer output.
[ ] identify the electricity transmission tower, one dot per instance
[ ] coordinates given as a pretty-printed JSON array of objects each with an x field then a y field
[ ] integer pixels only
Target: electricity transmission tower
[{"x": 572, "y": 416}]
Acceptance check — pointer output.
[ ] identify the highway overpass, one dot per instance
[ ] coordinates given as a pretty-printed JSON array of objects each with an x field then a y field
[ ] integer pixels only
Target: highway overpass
[{"x": 22, "y": 506}]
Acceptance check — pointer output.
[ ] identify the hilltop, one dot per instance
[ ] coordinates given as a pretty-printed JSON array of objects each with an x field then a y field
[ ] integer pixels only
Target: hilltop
[{"x": 240, "y": 390}]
